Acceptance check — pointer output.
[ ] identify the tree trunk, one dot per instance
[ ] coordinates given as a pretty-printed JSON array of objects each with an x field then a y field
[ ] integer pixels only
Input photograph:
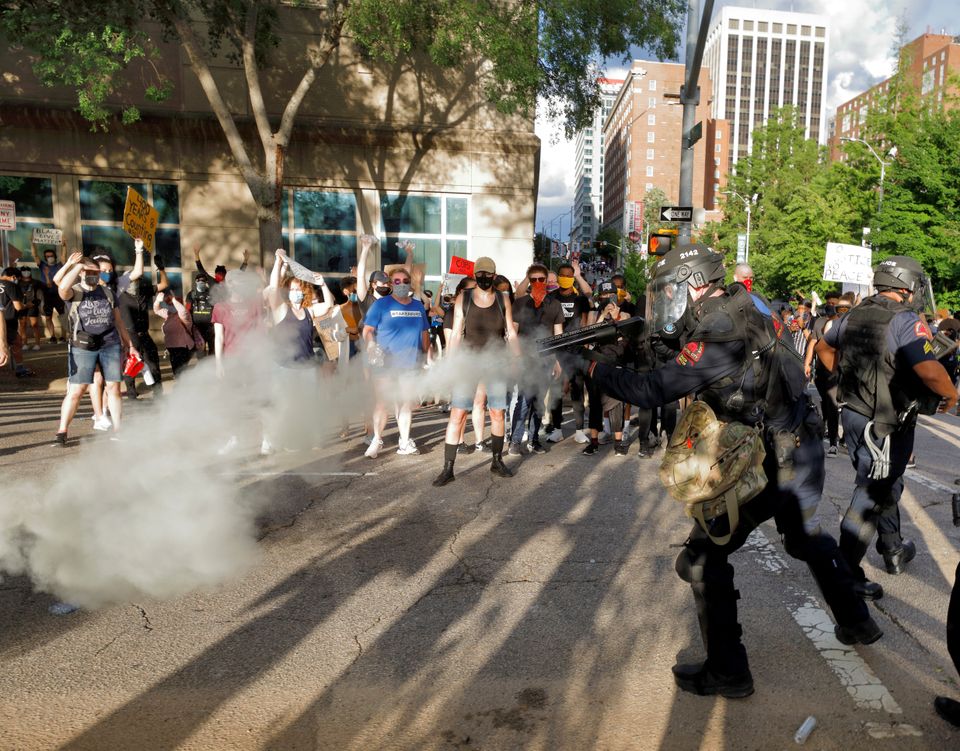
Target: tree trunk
[{"x": 271, "y": 238}]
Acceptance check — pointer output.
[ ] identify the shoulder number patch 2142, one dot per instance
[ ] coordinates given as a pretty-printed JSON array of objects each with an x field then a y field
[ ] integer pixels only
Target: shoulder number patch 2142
[{"x": 691, "y": 354}]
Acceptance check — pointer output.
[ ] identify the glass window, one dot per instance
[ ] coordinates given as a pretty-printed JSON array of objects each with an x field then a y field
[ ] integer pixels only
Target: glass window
[
  {"x": 326, "y": 253},
  {"x": 652, "y": 85},
  {"x": 791, "y": 28},
  {"x": 805, "y": 31},
  {"x": 821, "y": 32},
  {"x": 166, "y": 200},
  {"x": 650, "y": 153},
  {"x": 104, "y": 201},
  {"x": 748, "y": 25},
  {"x": 32, "y": 195},
  {"x": 761, "y": 26},
  {"x": 651, "y": 137},
  {"x": 651, "y": 119},
  {"x": 734, "y": 23},
  {"x": 419, "y": 214},
  {"x": 324, "y": 211},
  {"x": 19, "y": 239},
  {"x": 652, "y": 101},
  {"x": 649, "y": 170},
  {"x": 778, "y": 28},
  {"x": 456, "y": 216},
  {"x": 112, "y": 239}
]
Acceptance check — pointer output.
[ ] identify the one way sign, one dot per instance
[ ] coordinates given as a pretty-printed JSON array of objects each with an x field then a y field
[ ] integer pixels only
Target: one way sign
[{"x": 676, "y": 213}]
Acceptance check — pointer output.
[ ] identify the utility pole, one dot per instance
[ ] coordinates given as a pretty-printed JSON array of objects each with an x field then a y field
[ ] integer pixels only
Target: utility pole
[{"x": 690, "y": 98}]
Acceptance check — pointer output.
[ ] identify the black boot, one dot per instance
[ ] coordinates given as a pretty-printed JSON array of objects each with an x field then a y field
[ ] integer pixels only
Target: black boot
[
  {"x": 896, "y": 560},
  {"x": 496, "y": 464},
  {"x": 449, "y": 457},
  {"x": 700, "y": 679}
]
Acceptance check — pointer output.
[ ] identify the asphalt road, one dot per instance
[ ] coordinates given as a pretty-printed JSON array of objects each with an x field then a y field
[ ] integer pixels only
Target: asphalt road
[{"x": 538, "y": 612}]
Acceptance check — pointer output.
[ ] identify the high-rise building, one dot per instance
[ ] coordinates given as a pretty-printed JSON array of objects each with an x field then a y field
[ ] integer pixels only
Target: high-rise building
[
  {"x": 588, "y": 181},
  {"x": 761, "y": 60},
  {"x": 930, "y": 60},
  {"x": 642, "y": 143}
]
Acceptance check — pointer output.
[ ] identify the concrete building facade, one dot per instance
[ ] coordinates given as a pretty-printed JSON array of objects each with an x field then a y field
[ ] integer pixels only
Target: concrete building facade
[
  {"x": 642, "y": 143},
  {"x": 588, "y": 169},
  {"x": 761, "y": 60},
  {"x": 402, "y": 152},
  {"x": 930, "y": 60}
]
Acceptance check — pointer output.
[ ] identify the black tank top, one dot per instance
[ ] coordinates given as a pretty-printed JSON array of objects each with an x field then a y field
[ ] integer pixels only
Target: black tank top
[
  {"x": 296, "y": 337},
  {"x": 482, "y": 325}
]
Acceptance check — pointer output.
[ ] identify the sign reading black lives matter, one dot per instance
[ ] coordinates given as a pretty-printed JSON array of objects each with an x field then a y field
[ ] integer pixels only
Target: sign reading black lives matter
[
  {"x": 47, "y": 236},
  {"x": 140, "y": 218}
]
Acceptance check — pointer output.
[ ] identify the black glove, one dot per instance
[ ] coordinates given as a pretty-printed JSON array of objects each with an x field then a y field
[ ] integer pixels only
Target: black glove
[{"x": 158, "y": 262}]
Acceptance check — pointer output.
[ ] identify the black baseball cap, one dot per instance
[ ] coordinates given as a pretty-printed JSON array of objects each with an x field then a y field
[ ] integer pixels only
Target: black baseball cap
[
  {"x": 606, "y": 288},
  {"x": 379, "y": 277}
]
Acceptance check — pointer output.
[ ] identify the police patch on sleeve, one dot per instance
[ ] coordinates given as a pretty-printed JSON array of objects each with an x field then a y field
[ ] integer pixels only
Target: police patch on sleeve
[
  {"x": 691, "y": 353},
  {"x": 921, "y": 331}
]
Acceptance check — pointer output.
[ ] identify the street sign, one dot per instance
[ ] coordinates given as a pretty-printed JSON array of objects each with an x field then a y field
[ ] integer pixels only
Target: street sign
[
  {"x": 741, "y": 248},
  {"x": 8, "y": 215},
  {"x": 47, "y": 236},
  {"x": 140, "y": 218},
  {"x": 676, "y": 213},
  {"x": 695, "y": 134}
]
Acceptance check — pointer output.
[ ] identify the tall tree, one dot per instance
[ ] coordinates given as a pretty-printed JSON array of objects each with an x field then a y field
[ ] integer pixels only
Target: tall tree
[{"x": 523, "y": 51}]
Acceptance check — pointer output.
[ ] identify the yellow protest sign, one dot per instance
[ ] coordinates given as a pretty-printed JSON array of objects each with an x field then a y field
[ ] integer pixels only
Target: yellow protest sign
[{"x": 140, "y": 218}]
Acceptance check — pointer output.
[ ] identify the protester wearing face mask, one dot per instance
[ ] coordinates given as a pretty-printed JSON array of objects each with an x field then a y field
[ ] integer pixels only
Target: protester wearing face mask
[
  {"x": 624, "y": 298},
  {"x": 576, "y": 307},
  {"x": 30, "y": 314},
  {"x": 11, "y": 305},
  {"x": 537, "y": 315},
  {"x": 135, "y": 301},
  {"x": 614, "y": 353},
  {"x": 395, "y": 333},
  {"x": 743, "y": 275},
  {"x": 49, "y": 267},
  {"x": 97, "y": 338},
  {"x": 200, "y": 304},
  {"x": 179, "y": 335},
  {"x": 483, "y": 320},
  {"x": 350, "y": 310}
]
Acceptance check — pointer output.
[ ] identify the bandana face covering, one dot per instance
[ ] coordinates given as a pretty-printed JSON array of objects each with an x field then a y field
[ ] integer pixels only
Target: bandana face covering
[
  {"x": 748, "y": 283},
  {"x": 565, "y": 282},
  {"x": 538, "y": 291}
]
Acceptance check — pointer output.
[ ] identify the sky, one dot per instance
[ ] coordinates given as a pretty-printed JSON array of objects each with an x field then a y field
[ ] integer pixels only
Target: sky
[{"x": 861, "y": 37}]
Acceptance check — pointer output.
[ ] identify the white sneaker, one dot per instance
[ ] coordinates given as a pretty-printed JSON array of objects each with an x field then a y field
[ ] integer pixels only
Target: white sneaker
[
  {"x": 101, "y": 423},
  {"x": 367, "y": 439},
  {"x": 581, "y": 437},
  {"x": 556, "y": 436},
  {"x": 373, "y": 449},
  {"x": 229, "y": 446},
  {"x": 604, "y": 437},
  {"x": 266, "y": 448},
  {"x": 408, "y": 449},
  {"x": 526, "y": 437},
  {"x": 36, "y": 347}
]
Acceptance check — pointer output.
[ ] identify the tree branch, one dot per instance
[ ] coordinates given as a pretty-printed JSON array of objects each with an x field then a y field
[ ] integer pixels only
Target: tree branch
[
  {"x": 296, "y": 99},
  {"x": 209, "y": 85},
  {"x": 248, "y": 48}
]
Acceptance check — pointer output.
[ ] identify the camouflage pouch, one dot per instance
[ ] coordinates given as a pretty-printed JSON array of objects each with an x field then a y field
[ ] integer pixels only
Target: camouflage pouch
[{"x": 713, "y": 467}]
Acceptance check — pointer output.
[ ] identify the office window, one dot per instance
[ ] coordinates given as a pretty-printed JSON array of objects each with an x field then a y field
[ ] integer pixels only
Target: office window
[
  {"x": 651, "y": 119},
  {"x": 652, "y": 85},
  {"x": 805, "y": 31},
  {"x": 101, "y": 221},
  {"x": 778, "y": 28},
  {"x": 437, "y": 226},
  {"x": 748, "y": 25},
  {"x": 652, "y": 102},
  {"x": 791, "y": 28},
  {"x": 821, "y": 32},
  {"x": 650, "y": 153},
  {"x": 734, "y": 23},
  {"x": 651, "y": 136},
  {"x": 33, "y": 197},
  {"x": 649, "y": 170},
  {"x": 761, "y": 26},
  {"x": 717, "y": 148}
]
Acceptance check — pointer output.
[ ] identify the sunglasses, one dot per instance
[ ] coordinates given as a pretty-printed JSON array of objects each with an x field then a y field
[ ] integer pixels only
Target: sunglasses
[
  {"x": 399, "y": 281},
  {"x": 538, "y": 278}
]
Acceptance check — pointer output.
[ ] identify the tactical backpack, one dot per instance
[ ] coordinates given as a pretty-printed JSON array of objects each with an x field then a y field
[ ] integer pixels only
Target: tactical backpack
[{"x": 713, "y": 467}]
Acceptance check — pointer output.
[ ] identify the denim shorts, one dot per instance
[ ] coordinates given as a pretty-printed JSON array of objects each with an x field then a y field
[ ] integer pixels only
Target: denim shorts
[
  {"x": 81, "y": 363},
  {"x": 462, "y": 397}
]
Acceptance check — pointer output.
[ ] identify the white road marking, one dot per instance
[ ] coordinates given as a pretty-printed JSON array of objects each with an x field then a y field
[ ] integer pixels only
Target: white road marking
[
  {"x": 912, "y": 474},
  {"x": 294, "y": 473},
  {"x": 864, "y": 687}
]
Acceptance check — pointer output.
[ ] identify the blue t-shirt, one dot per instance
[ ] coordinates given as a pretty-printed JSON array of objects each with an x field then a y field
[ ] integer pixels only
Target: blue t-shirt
[{"x": 399, "y": 328}]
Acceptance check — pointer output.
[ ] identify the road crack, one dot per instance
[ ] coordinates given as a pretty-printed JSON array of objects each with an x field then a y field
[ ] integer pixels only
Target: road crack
[
  {"x": 267, "y": 531},
  {"x": 144, "y": 619}
]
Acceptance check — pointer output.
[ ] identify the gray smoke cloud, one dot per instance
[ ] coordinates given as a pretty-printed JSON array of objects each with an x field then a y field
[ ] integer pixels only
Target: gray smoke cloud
[{"x": 157, "y": 513}]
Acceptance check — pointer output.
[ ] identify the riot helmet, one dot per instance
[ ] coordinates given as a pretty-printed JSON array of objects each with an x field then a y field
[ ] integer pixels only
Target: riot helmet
[
  {"x": 687, "y": 266},
  {"x": 903, "y": 272}
]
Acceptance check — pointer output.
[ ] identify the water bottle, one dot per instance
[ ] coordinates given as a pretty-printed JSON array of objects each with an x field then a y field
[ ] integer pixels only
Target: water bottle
[
  {"x": 147, "y": 375},
  {"x": 803, "y": 732}
]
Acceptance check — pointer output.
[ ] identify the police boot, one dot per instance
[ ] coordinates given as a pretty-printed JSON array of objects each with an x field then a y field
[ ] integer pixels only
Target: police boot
[
  {"x": 496, "y": 464},
  {"x": 449, "y": 457},
  {"x": 948, "y": 709},
  {"x": 700, "y": 679},
  {"x": 865, "y": 632},
  {"x": 897, "y": 560}
]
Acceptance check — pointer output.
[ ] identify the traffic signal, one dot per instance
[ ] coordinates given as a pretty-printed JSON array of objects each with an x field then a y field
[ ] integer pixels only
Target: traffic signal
[{"x": 659, "y": 244}]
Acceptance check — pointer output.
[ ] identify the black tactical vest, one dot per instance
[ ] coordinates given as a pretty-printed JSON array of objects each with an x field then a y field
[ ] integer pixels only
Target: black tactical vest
[
  {"x": 201, "y": 307},
  {"x": 870, "y": 381}
]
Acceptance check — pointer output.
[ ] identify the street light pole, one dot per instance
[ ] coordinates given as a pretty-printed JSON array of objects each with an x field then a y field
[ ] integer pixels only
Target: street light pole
[{"x": 883, "y": 167}]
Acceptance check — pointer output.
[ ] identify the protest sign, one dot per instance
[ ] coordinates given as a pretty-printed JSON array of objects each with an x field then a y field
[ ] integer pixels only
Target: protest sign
[
  {"x": 140, "y": 218},
  {"x": 8, "y": 215},
  {"x": 849, "y": 264},
  {"x": 460, "y": 265},
  {"x": 47, "y": 236},
  {"x": 450, "y": 282}
]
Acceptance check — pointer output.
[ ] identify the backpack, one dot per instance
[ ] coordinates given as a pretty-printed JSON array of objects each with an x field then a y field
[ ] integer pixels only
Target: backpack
[{"x": 713, "y": 467}]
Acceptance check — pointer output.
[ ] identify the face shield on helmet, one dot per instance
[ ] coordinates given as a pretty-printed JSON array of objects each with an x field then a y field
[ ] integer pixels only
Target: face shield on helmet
[{"x": 668, "y": 299}]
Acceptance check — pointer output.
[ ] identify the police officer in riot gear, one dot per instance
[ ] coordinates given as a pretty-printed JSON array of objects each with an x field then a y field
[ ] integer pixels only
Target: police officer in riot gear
[
  {"x": 730, "y": 357},
  {"x": 888, "y": 375}
]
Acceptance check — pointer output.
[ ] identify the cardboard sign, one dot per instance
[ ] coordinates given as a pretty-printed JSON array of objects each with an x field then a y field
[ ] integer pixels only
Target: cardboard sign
[
  {"x": 460, "y": 265},
  {"x": 8, "y": 215},
  {"x": 140, "y": 218},
  {"x": 450, "y": 282},
  {"x": 849, "y": 264},
  {"x": 47, "y": 236}
]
